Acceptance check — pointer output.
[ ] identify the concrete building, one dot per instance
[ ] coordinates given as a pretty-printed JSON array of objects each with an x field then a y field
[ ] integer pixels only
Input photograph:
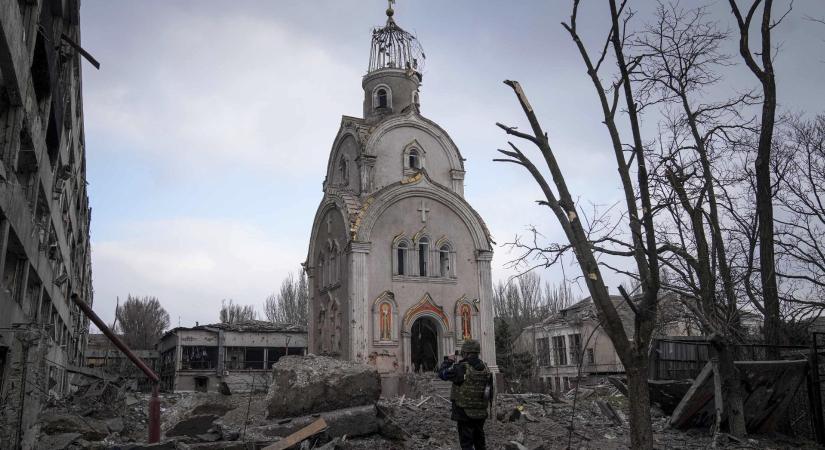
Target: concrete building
[
  {"x": 398, "y": 261},
  {"x": 44, "y": 208},
  {"x": 573, "y": 336},
  {"x": 241, "y": 355}
]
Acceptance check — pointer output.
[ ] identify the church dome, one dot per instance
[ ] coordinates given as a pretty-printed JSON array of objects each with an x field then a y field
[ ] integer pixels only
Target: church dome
[{"x": 394, "y": 48}]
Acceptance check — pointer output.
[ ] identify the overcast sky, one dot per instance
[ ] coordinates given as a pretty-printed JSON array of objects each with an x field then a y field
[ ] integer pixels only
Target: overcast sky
[{"x": 209, "y": 125}]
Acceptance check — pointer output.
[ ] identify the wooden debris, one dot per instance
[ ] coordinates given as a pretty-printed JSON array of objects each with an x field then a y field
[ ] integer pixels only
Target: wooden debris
[
  {"x": 418, "y": 405},
  {"x": 401, "y": 401},
  {"x": 609, "y": 412},
  {"x": 298, "y": 436},
  {"x": 769, "y": 387}
]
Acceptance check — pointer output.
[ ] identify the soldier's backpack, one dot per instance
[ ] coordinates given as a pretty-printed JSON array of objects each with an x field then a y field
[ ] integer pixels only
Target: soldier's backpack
[{"x": 471, "y": 395}]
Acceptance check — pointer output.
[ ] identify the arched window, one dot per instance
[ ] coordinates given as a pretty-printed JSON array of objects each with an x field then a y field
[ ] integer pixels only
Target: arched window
[
  {"x": 401, "y": 258},
  {"x": 444, "y": 260},
  {"x": 333, "y": 268},
  {"x": 322, "y": 274},
  {"x": 423, "y": 251},
  {"x": 343, "y": 171},
  {"x": 382, "y": 98},
  {"x": 414, "y": 159}
]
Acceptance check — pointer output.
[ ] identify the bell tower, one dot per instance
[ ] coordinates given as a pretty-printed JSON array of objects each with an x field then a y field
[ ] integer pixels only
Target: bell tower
[{"x": 394, "y": 74}]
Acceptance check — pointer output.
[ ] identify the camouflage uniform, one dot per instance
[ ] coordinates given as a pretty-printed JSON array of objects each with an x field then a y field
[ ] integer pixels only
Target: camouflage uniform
[{"x": 471, "y": 378}]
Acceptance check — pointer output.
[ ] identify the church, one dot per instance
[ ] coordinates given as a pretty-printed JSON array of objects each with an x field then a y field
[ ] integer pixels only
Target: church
[{"x": 398, "y": 261}]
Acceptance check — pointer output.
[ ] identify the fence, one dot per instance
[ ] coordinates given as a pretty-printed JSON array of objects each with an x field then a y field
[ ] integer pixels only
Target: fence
[{"x": 674, "y": 359}]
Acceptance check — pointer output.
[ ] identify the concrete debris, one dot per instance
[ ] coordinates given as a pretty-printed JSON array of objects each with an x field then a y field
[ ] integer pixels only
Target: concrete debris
[
  {"x": 193, "y": 426},
  {"x": 59, "y": 423},
  {"x": 355, "y": 421},
  {"x": 58, "y": 441},
  {"x": 211, "y": 421},
  {"x": 304, "y": 385}
]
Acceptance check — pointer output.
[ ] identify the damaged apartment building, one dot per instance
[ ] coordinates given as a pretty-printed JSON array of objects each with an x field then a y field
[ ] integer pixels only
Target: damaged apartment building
[
  {"x": 44, "y": 208},
  {"x": 203, "y": 357}
]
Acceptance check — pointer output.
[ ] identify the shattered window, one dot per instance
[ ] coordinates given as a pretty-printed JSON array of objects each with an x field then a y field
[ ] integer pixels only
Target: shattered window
[
  {"x": 559, "y": 350},
  {"x": 544, "y": 351},
  {"x": 198, "y": 357}
]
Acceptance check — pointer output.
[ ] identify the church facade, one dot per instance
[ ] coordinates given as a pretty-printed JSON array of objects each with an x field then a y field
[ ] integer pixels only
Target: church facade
[{"x": 398, "y": 261}]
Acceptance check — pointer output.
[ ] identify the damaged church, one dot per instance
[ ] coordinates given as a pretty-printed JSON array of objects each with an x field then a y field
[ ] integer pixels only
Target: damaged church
[{"x": 398, "y": 261}]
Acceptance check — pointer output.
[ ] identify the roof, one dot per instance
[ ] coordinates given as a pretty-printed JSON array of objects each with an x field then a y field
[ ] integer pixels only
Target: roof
[
  {"x": 247, "y": 326},
  {"x": 583, "y": 309}
]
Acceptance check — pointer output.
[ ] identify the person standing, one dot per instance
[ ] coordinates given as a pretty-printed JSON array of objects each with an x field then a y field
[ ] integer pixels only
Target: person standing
[{"x": 471, "y": 394}]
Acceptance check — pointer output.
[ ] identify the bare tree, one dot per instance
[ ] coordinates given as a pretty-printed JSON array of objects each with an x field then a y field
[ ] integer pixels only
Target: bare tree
[
  {"x": 762, "y": 163},
  {"x": 521, "y": 302},
  {"x": 291, "y": 303},
  {"x": 642, "y": 248},
  {"x": 234, "y": 313},
  {"x": 801, "y": 227},
  {"x": 557, "y": 297},
  {"x": 142, "y": 321},
  {"x": 638, "y": 210},
  {"x": 679, "y": 57}
]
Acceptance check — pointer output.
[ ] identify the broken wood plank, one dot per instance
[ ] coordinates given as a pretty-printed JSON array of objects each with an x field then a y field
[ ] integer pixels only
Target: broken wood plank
[
  {"x": 686, "y": 409},
  {"x": 298, "y": 436},
  {"x": 442, "y": 398},
  {"x": 401, "y": 401},
  {"x": 769, "y": 387},
  {"x": 609, "y": 412},
  {"x": 418, "y": 405}
]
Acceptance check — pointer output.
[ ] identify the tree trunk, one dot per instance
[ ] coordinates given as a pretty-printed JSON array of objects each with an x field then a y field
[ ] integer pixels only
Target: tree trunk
[
  {"x": 734, "y": 408},
  {"x": 641, "y": 430}
]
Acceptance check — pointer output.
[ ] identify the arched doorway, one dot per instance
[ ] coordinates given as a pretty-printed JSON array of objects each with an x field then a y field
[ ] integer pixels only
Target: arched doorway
[{"x": 424, "y": 344}]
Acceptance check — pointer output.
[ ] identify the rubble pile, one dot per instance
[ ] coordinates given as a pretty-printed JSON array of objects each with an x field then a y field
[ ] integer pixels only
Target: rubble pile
[
  {"x": 308, "y": 384},
  {"x": 295, "y": 414},
  {"x": 100, "y": 411}
]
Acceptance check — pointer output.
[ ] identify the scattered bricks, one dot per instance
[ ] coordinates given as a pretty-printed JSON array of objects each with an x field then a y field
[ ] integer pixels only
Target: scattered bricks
[{"x": 304, "y": 385}]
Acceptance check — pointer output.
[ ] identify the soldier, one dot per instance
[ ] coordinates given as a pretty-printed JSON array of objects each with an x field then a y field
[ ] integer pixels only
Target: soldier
[{"x": 471, "y": 394}]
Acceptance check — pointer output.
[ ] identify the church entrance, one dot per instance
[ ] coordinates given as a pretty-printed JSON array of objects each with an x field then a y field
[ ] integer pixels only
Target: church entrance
[{"x": 424, "y": 345}]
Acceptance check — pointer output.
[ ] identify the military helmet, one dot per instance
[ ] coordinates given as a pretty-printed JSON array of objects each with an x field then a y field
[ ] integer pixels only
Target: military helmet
[{"x": 471, "y": 346}]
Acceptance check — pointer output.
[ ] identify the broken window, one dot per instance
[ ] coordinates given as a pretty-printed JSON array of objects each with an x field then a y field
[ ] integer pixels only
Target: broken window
[
  {"x": 254, "y": 358},
  {"x": 235, "y": 358},
  {"x": 198, "y": 357},
  {"x": 414, "y": 159},
  {"x": 543, "y": 349},
  {"x": 201, "y": 384},
  {"x": 559, "y": 351},
  {"x": 575, "y": 341}
]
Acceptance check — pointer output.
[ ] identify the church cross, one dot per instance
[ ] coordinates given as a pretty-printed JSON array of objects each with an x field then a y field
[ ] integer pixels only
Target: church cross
[{"x": 424, "y": 210}]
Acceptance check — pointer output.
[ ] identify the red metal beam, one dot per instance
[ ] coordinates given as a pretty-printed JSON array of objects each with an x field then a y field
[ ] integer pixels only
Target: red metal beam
[{"x": 154, "y": 402}]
